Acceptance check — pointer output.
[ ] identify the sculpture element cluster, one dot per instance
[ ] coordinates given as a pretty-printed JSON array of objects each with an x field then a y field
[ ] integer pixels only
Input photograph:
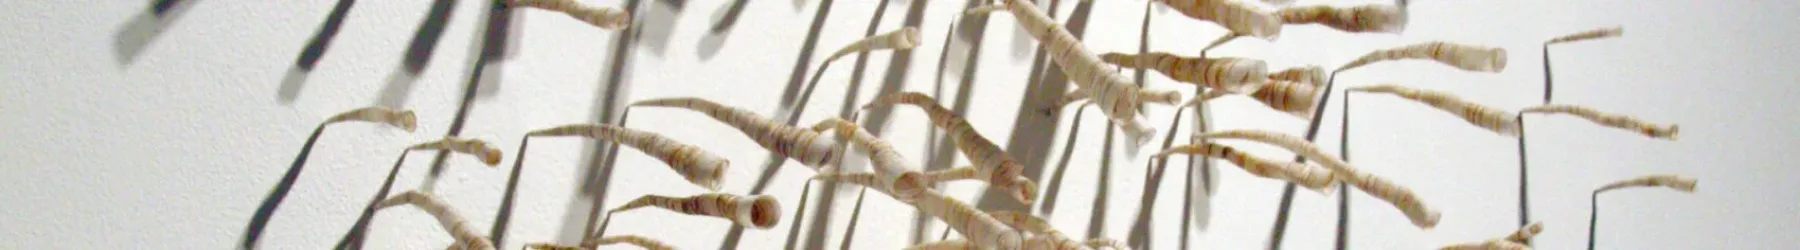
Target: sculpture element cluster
[{"x": 1300, "y": 91}]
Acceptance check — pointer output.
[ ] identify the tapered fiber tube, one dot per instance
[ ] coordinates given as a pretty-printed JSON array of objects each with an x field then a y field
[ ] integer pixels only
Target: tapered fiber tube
[
  {"x": 1492, "y": 119},
  {"x": 403, "y": 119},
  {"x": 1295, "y": 99},
  {"x": 1677, "y": 182},
  {"x": 1311, "y": 75},
  {"x": 639, "y": 241},
  {"x": 1465, "y": 57},
  {"x": 1381, "y": 18},
  {"x": 1237, "y": 16},
  {"x": 1488, "y": 245},
  {"x": 1601, "y": 33},
  {"x": 605, "y": 18},
  {"x": 1118, "y": 98},
  {"x": 759, "y": 211},
  {"x": 893, "y": 172},
  {"x": 810, "y": 148},
  {"x": 693, "y": 163},
  {"x": 1229, "y": 74},
  {"x": 905, "y": 38},
  {"x": 455, "y": 224},
  {"x": 992, "y": 164},
  {"x": 1400, "y": 197},
  {"x": 474, "y": 147},
  {"x": 1316, "y": 178},
  {"x": 1625, "y": 122}
]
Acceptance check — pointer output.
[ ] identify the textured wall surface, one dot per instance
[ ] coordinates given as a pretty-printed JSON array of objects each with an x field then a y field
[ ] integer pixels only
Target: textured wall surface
[{"x": 125, "y": 129}]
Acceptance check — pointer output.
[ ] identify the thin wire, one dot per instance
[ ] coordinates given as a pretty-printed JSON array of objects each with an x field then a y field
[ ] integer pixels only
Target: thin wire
[
  {"x": 1287, "y": 193},
  {"x": 1593, "y": 217},
  {"x": 1343, "y": 223}
]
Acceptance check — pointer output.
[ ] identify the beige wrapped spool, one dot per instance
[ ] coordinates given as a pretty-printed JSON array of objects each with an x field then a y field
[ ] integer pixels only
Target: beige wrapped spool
[
  {"x": 1492, "y": 119},
  {"x": 1365, "y": 18},
  {"x": 1667, "y": 132},
  {"x": 1465, "y": 57},
  {"x": 759, "y": 211},
  {"x": 1229, "y": 74},
  {"x": 474, "y": 147},
  {"x": 905, "y": 38},
  {"x": 693, "y": 163},
  {"x": 457, "y": 226},
  {"x": 810, "y": 148},
  {"x": 605, "y": 18},
  {"x": 398, "y": 118}
]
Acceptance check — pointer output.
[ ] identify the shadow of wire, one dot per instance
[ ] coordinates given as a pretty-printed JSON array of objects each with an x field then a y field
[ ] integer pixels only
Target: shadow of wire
[
  {"x": 260, "y": 220},
  {"x": 1034, "y": 131},
  {"x": 425, "y": 40},
  {"x": 131, "y": 39}
]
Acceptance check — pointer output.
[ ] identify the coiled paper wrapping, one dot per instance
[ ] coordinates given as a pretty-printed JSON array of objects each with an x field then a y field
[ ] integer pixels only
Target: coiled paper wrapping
[
  {"x": 1394, "y": 194},
  {"x": 1610, "y": 120},
  {"x": 403, "y": 119},
  {"x": 991, "y": 163},
  {"x": 1465, "y": 57},
  {"x": 693, "y": 163},
  {"x": 1316, "y": 178},
  {"x": 1492, "y": 119},
  {"x": 1236, "y": 16},
  {"x": 905, "y": 38},
  {"x": 1295, "y": 99},
  {"x": 457, "y": 226},
  {"x": 639, "y": 241},
  {"x": 1117, "y": 97},
  {"x": 1677, "y": 182},
  {"x": 759, "y": 211},
  {"x": 1310, "y": 75},
  {"x": 1229, "y": 74},
  {"x": 813, "y": 149},
  {"x": 1608, "y": 32},
  {"x": 1364, "y": 18},
  {"x": 605, "y": 18},
  {"x": 475, "y": 147}
]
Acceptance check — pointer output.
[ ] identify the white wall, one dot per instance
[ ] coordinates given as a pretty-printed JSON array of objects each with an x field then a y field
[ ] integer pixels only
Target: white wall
[{"x": 173, "y": 144}]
